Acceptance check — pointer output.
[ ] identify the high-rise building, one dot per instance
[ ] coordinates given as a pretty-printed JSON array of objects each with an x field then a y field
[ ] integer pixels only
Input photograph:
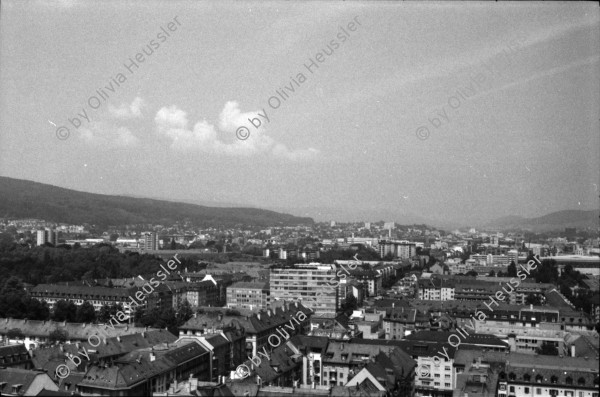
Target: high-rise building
[
  {"x": 47, "y": 236},
  {"x": 513, "y": 256},
  {"x": 150, "y": 241},
  {"x": 399, "y": 249},
  {"x": 389, "y": 225},
  {"x": 311, "y": 284},
  {"x": 41, "y": 237}
]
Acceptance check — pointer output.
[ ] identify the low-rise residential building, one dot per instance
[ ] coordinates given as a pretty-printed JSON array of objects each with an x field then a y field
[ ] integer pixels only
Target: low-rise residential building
[
  {"x": 258, "y": 327},
  {"x": 536, "y": 375},
  {"x": 528, "y": 329},
  {"x": 388, "y": 373},
  {"x": 35, "y": 332},
  {"x": 344, "y": 360},
  {"x": 24, "y": 382},
  {"x": 435, "y": 288},
  {"x": 253, "y": 296},
  {"x": 148, "y": 371},
  {"x": 15, "y": 356},
  {"x": 101, "y": 296},
  {"x": 397, "y": 322}
]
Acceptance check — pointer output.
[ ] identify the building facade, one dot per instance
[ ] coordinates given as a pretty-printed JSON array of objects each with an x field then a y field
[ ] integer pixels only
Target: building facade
[
  {"x": 313, "y": 284},
  {"x": 248, "y": 295}
]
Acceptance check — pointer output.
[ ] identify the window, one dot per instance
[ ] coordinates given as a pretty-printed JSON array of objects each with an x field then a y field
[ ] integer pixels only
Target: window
[
  {"x": 511, "y": 389},
  {"x": 526, "y": 391}
]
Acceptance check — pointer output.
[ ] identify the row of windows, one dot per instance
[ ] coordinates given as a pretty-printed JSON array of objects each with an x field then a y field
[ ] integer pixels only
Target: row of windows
[{"x": 551, "y": 392}]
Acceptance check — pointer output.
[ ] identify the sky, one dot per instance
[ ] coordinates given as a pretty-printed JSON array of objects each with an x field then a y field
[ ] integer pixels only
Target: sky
[{"x": 364, "y": 111}]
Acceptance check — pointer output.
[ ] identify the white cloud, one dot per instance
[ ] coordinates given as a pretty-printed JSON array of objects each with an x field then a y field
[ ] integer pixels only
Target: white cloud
[
  {"x": 172, "y": 122},
  {"x": 125, "y": 111}
]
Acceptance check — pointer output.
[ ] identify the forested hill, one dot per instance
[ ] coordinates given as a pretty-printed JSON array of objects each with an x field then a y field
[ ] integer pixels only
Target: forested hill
[{"x": 27, "y": 199}]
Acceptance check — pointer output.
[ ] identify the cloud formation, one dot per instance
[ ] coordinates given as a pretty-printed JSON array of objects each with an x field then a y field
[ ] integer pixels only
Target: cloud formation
[
  {"x": 125, "y": 111},
  {"x": 172, "y": 122}
]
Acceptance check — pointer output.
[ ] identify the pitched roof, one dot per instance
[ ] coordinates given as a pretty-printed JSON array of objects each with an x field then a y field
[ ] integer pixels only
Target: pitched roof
[
  {"x": 282, "y": 359},
  {"x": 253, "y": 324},
  {"x": 76, "y": 331},
  {"x": 442, "y": 337},
  {"x": 16, "y": 376},
  {"x": 412, "y": 348},
  {"x": 250, "y": 285},
  {"x": 13, "y": 354},
  {"x": 141, "y": 365},
  {"x": 50, "y": 357}
]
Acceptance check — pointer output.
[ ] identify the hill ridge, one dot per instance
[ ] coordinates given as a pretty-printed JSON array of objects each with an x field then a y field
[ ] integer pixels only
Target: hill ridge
[{"x": 21, "y": 198}]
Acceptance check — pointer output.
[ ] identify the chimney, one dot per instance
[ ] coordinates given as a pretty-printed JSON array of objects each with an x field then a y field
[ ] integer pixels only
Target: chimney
[
  {"x": 573, "y": 351},
  {"x": 531, "y": 307}
]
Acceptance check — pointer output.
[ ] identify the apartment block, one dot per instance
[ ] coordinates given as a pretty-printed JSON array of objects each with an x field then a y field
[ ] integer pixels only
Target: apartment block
[
  {"x": 313, "y": 284},
  {"x": 399, "y": 249},
  {"x": 248, "y": 295}
]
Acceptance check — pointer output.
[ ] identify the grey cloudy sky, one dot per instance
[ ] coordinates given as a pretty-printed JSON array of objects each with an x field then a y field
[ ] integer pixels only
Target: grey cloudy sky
[{"x": 449, "y": 111}]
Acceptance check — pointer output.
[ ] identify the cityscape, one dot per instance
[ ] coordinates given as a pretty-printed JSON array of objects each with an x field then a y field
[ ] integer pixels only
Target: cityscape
[{"x": 304, "y": 199}]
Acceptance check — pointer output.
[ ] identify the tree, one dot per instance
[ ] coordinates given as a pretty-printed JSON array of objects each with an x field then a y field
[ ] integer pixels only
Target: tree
[
  {"x": 185, "y": 313},
  {"x": 37, "y": 310},
  {"x": 104, "y": 314},
  {"x": 388, "y": 257},
  {"x": 533, "y": 299},
  {"x": 472, "y": 273},
  {"x": 64, "y": 311},
  {"x": 350, "y": 304},
  {"x": 86, "y": 313},
  {"x": 15, "y": 333},
  {"x": 58, "y": 335},
  {"x": 114, "y": 237},
  {"x": 548, "y": 349},
  {"x": 7, "y": 242},
  {"x": 492, "y": 273},
  {"x": 512, "y": 269},
  {"x": 12, "y": 299},
  {"x": 566, "y": 291}
]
